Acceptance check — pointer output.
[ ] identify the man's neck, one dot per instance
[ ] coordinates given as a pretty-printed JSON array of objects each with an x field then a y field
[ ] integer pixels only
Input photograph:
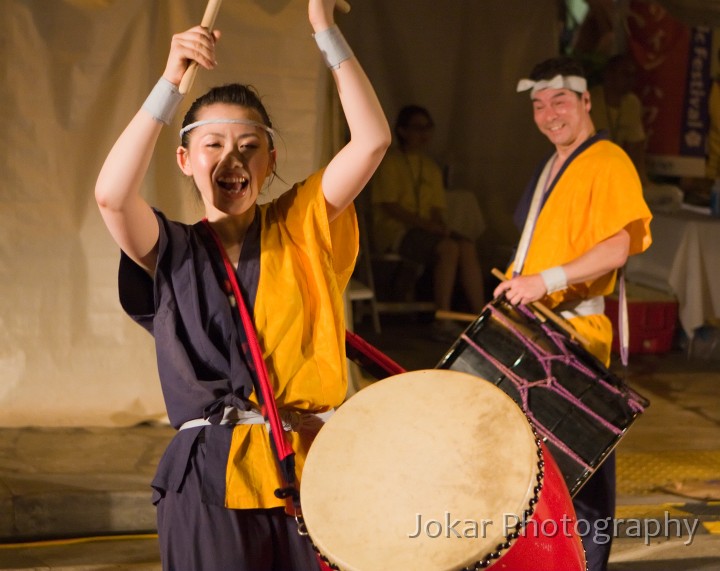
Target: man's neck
[{"x": 565, "y": 151}]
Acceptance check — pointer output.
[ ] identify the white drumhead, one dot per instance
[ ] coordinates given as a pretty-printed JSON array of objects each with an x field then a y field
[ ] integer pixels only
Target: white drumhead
[{"x": 426, "y": 470}]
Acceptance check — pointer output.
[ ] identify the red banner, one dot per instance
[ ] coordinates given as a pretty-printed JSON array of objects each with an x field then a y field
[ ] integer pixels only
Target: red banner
[{"x": 674, "y": 85}]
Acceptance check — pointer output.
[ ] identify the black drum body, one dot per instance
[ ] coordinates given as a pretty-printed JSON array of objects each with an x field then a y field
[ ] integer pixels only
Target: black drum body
[{"x": 579, "y": 407}]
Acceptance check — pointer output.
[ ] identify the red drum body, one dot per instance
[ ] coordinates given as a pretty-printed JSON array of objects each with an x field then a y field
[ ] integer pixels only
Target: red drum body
[
  {"x": 579, "y": 407},
  {"x": 436, "y": 471},
  {"x": 549, "y": 539}
]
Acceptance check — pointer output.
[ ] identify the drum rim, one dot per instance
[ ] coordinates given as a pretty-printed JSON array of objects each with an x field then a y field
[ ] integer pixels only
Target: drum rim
[{"x": 488, "y": 558}]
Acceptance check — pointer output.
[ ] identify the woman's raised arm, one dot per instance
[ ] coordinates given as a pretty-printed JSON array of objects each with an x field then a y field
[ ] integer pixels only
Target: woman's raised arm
[
  {"x": 350, "y": 170},
  {"x": 127, "y": 215}
]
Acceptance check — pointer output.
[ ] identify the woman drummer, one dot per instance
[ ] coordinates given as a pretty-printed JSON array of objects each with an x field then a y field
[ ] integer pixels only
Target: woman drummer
[{"x": 214, "y": 488}]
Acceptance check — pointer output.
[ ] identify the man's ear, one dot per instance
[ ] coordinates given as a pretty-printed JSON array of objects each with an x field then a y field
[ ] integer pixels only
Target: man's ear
[
  {"x": 183, "y": 160},
  {"x": 586, "y": 101}
]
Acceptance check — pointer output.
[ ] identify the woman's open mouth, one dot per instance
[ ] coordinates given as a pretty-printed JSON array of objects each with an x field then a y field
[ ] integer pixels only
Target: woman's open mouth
[{"x": 234, "y": 184}]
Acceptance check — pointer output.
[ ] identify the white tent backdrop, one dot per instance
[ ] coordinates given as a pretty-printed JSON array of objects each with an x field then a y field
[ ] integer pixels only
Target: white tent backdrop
[
  {"x": 462, "y": 61},
  {"x": 77, "y": 70}
]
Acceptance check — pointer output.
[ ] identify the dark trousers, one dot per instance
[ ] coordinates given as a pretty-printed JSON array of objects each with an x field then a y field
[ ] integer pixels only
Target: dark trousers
[
  {"x": 195, "y": 536},
  {"x": 595, "y": 504}
]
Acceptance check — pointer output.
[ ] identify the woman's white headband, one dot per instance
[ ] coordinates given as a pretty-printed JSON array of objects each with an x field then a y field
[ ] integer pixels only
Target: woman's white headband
[
  {"x": 572, "y": 82},
  {"x": 191, "y": 126}
]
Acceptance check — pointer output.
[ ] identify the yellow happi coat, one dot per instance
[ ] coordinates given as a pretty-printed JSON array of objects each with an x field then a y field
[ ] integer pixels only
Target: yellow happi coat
[
  {"x": 412, "y": 180},
  {"x": 596, "y": 194},
  {"x": 305, "y": 264}
]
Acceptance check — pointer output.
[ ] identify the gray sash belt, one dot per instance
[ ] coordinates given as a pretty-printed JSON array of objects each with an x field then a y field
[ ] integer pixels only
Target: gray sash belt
[
  {"x": 292, "y": 420},
  {"x": 581, "y": 307}
]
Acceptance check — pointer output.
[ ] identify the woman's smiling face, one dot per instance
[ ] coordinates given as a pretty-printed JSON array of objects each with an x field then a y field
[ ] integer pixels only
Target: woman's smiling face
[{"x": 229, "y": 162}]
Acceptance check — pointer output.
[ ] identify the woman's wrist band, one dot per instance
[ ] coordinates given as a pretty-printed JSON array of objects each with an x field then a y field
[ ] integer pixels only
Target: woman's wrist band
[
  {"x": 555, "y": 279},
  {"x": 333, "y": 46},
  {"x": 163, "y": 101}
]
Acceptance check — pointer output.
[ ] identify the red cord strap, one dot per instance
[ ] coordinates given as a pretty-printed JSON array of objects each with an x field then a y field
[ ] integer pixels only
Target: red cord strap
[
  {"x": 282, "y": 447},
  {"x": 369, "y": 357}
]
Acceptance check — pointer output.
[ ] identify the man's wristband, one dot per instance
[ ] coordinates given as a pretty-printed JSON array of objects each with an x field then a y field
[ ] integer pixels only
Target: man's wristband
[
  {"x": 163, "y": 101},
  {"x": 333, "y": 46},
  {"x": 555, "y": 279}
]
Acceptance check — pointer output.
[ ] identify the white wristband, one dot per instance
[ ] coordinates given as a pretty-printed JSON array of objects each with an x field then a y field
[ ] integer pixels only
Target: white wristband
[
  {"x": 333, "y": 46},
  {"x": 163, "y": 101},
  {"x": 554, "y": 278}
]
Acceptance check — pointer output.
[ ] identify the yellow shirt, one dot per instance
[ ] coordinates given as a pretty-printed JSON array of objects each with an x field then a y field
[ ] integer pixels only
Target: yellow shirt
[
  {"x": 305, "y": 265},
  {"x": 597, "y": 195},
  {"x": 414, "y": 181}
]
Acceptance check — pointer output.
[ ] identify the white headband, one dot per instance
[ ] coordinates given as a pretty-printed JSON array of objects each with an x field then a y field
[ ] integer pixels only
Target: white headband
[
  {"x": 191, "y": 126},
  {"x": 572, "y": 82}
]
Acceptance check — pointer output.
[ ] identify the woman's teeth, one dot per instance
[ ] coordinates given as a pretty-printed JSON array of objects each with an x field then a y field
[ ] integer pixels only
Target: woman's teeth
[{"x": 232, "y": 183}]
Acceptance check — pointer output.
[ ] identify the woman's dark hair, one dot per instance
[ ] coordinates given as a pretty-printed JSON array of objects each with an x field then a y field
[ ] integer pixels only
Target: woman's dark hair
[
  {"x": 404, "y": 117},
  {"x": 233, "y": 94},
  {"x": 562, "y": 65}
]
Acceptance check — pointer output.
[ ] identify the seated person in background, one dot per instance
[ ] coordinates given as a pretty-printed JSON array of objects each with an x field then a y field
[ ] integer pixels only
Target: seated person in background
[
  {"x": 409, "y": 207},
  {"x": 618, "y": 110}
]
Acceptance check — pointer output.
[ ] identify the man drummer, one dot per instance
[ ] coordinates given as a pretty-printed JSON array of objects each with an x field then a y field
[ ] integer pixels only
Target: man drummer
[{"x": 583, "y": 214}]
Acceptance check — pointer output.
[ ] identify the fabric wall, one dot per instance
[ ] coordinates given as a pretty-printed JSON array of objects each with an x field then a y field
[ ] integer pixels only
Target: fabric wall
[
  {"x": 75, "y": 73},
  {"x": 694, "y": 12},
  {"x": 77, "y": 70},
  {"x": 462, "y": 61}
]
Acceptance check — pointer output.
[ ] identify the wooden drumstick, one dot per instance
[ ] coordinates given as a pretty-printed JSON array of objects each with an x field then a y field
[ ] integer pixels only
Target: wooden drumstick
[
  {"x": 208, "y": 21},
  {"x": 343, "y": 6},
  {"x": 455, "y": 315},
  {"x": 550, "y": 314}
]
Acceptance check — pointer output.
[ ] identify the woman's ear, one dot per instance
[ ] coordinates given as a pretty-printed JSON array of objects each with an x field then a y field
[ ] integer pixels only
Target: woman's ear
[
  {"x": 272, "y": 162},
  {"x": 183, "y": 160}
]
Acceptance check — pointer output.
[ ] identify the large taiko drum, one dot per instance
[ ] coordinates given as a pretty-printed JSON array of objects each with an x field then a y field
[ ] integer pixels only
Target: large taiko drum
[
  {"x": 579, "y": 407},
  {"x": 436, "y": 470}
]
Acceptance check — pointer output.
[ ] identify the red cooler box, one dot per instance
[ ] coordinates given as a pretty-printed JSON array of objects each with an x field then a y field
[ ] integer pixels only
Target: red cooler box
[{"x": 652, "y": 315}]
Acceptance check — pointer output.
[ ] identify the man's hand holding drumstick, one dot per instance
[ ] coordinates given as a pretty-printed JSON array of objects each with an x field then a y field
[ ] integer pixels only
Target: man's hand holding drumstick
[
  {"x": 520, "y": 295},
  {"x": 523, "y": 294},
  {"x": 522, "y": 289}
]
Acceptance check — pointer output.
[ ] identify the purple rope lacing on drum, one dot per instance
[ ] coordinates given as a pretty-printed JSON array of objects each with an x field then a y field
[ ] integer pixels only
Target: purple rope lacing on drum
[
  {"x": 560, "y": 339},
  {"x": 523, "y": 386}
]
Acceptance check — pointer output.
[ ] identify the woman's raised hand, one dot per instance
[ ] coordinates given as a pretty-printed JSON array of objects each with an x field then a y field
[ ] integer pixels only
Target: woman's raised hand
[
  {"x": 196, "y": 44},
  {"x": 321, "y": 14}
]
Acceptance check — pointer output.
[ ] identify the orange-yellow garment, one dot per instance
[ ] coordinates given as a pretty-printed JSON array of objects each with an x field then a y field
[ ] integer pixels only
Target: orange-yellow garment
[
  {"x": 305, "y": 265},
  {"x": 412, "y": 180},
  {"x": 597, "y": 194}
]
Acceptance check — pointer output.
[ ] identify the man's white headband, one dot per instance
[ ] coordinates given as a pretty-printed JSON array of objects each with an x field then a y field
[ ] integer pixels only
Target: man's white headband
[
  {"x": 191, "y": 126},
  {"x": 572, "y": 82}
]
